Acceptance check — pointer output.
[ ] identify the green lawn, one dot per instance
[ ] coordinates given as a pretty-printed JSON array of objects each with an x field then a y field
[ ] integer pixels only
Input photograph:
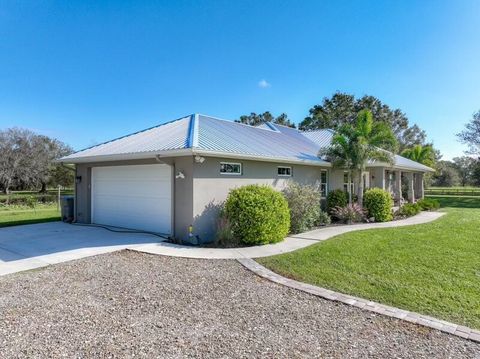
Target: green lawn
[
  {"x": 16, "y": 215},
  {"x": 455, "y": 191},
  {"x": 432, "y": 268}
]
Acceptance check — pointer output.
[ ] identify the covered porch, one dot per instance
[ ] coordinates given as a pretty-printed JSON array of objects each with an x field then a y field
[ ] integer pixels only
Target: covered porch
[{"x": 404, "y": 185}]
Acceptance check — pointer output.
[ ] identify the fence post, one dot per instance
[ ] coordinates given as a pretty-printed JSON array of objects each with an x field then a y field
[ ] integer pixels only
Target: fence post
[{"x": 58, "y": 199}]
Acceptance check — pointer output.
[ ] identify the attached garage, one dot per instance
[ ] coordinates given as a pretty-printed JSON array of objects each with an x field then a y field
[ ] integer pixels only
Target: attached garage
[{"x": 134, "y": 197}]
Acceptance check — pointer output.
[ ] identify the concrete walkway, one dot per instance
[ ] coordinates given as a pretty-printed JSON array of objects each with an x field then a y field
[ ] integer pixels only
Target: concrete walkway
[{"x": 288, "y": 245}]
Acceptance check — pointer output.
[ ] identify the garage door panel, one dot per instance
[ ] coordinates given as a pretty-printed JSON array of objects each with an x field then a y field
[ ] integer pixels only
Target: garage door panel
[
  {"x": 134, "y": 190},
  {"x": 137, "y": 197}
]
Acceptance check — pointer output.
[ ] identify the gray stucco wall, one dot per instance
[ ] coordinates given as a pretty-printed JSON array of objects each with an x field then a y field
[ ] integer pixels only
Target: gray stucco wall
[
  {"x": 211, "y": 188},
  {"x": 183, "y": 190},
  {"x": 198, "y": 195}
]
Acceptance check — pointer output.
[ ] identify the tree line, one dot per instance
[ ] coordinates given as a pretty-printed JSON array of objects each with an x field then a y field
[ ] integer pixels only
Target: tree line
[
  {"x": 411, "y": 141},
  {"x": 27, "y": 161}
]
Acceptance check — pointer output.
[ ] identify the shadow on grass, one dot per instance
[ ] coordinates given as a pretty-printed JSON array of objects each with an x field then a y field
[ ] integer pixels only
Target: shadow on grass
[
  {"x": 29, "y": 221},
  {"x": 458, "y": 201}
]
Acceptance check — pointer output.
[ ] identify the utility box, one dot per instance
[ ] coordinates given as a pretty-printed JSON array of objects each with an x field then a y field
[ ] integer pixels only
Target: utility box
[{"x": 67, "y": 203}]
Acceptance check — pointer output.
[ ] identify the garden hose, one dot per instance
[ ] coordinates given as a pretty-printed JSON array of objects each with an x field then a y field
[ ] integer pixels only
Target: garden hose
[{"x": 164, "y": 236}]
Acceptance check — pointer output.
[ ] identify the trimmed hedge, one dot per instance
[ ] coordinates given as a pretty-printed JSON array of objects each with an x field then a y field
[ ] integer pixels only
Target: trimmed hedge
[
  {"x": 378, "y": 204},
  {"x": 336, "y": 198},
  {"x": 257, "y": 214}
]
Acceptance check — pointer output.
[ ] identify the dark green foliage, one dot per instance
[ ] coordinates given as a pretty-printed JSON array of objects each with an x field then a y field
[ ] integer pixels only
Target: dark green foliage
[
  {"x": 428, "y": 204},
  {"x": 409, "y": 210},
  {"x": 257, "y": 119},
  {"x": 342, "y": 108},
  {"x": 336, "y": 198},
  {"x": 378, "y": 204},
  {"x": 257, "y": 214},
  {"x": 304, "y": 204},
  {"x": 471, "y": 134}
]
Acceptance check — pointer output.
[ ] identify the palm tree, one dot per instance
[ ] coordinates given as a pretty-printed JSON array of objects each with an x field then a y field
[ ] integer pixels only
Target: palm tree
[
  {"x": 354, "y": 146},
  {"x": 422, "y": 154}
]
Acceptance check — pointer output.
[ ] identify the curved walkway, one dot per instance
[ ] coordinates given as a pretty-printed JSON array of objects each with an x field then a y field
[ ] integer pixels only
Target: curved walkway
[{"x": 290, "y": 244}]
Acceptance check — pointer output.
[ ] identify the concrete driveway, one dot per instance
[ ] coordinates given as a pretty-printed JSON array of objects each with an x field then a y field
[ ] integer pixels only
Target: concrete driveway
[{"x": 38, "y": 245}]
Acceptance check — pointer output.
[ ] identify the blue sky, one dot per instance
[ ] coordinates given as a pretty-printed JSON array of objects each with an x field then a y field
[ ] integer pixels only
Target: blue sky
[{"x": 86, "y": 72}]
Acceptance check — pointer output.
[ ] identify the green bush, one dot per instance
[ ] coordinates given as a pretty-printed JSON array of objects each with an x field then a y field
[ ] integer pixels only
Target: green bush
[
  {"x": 304, "y": 205},
  {"x": 257, "y": 214},
  {"x": 428, "y": 204},
  {"x": 336, "y": 198},
  {"x": 323, "y": 219},
  {"x": 378, "y": 204},
  {"x": 409, "y": 210}
]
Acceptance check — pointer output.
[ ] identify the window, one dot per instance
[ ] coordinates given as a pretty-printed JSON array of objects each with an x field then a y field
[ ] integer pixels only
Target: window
[
  {"x": 348, "y": 186},
  {"x": 284, "y": 171},
  {"x": 323, "y": 183},
  {"x": 230, "y": 168}
]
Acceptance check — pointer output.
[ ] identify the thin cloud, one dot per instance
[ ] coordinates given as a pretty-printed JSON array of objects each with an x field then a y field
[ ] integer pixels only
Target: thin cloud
[{"x": 264, "y": 84}]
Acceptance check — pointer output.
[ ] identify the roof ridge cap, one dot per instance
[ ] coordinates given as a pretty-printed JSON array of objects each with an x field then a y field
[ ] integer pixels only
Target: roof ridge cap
[{"x": 193, "y": 131}]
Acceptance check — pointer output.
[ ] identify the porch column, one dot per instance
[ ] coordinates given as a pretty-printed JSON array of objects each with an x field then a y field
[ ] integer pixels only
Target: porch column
[
  {"x": 411, "y": 186},
  {"x": 398, "y": 186},
  {"x": 420, "y": 186},
  {"x": 379, "y": 178}
]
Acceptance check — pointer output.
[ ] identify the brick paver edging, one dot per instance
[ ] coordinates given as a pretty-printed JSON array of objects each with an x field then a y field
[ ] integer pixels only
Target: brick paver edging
[{"x": 365, "y": 304}]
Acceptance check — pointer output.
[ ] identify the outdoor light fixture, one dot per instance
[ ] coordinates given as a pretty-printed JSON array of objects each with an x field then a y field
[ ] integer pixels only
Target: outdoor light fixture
[
  {"x": 180, "y": 175},
  {"x": 78, "y": 179},
  {"x": 199, "y": 159}
]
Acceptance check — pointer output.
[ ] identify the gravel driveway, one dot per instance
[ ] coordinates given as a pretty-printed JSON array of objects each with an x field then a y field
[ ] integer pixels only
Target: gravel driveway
[{"x": 128, "y": 303}]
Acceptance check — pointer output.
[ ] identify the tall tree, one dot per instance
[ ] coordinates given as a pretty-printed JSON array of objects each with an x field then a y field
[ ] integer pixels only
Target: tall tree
[
  {"x": 27, "y": 158},
  {"x": 257, "y": 119},
  {"x": 471, "y": 134},
  {"x": 421, "y": 154},
  {"x": 354, "y": 145},
  {"x": 446, "y": 175},
  {"x": 465, "y": 166},
  {"x": 342, "y": 108}
]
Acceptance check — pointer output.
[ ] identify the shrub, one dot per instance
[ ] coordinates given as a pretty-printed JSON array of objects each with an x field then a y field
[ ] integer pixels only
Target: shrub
[
  {"x": 323, "y": 219},
  {"x": 304, "y": 205},
  {"x": 336, "y": 198},
  {"x": 409, "y": 210},
  {"x": 224, "y": 234},
  {"x": 378, "y": 204},
  {"x": 257, "y": 214},
  {"x": 351, "y": 213},
  {"x": 428, "y": 204}
]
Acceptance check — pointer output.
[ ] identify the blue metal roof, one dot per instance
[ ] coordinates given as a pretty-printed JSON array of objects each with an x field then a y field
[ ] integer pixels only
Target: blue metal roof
[{"x": 209, "y": 135}]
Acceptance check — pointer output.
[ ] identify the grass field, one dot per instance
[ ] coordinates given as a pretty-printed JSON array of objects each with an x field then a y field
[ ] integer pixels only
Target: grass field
[
  {"x": 432, "y": 268},
  {"x": 454, "y": 191},
  {"x": 17, "y": 215}
]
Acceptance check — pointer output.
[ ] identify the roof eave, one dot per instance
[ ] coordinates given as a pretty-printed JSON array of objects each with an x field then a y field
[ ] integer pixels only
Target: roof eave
[
  {"x": 406, "y": 168},
  {"x": 125, "y": 156},
  {"x": 209, "y": 153}
]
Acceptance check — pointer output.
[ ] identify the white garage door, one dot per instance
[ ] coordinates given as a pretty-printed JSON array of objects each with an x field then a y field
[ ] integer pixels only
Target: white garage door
[{"x": 136, "y": 197}]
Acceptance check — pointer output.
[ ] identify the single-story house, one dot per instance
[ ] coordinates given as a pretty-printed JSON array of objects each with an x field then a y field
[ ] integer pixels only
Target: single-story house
[{"x": 171, "y": 178}]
